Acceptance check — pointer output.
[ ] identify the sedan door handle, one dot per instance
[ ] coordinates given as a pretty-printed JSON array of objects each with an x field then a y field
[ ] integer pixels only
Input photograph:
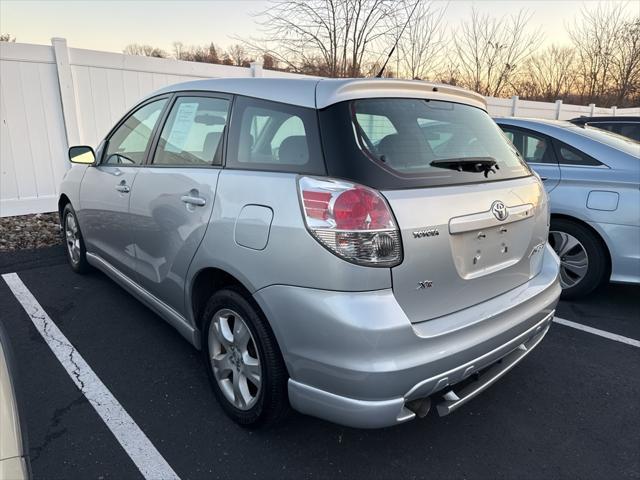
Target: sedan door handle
[
  {"x": 191, "y": 200},
  {"x": 123, "y": 188},
  {"x": 544, "y": 179}
]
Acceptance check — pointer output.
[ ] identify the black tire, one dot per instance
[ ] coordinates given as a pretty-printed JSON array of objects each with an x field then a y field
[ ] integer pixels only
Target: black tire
[
  {"x": 272, "y": 404},
  {"x": 80, "y": 264},
  {"x": 597, "y": 256}
]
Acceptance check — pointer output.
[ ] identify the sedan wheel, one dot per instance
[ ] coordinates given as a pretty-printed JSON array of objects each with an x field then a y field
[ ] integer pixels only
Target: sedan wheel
[
  {"x": 574, "y": 260},
  {"x": 583, "y": 257}
]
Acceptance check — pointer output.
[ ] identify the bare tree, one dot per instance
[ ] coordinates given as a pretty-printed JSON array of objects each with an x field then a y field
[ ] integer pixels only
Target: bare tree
[
  {"x": 491, "y": 51},
  {"x": 595, "y": 37},
  {"x": 144, "y": 50},
  {"x": 204, "y": 54},
  {"x": 548, "y": 75},
  {"x": 422, "y": 44},
  {"x": 625, "y": 68},
  {"x": 335, "y": 37},
  {"x": 268, "y": 62},
  {"x": 179, "y": 51},
  {"x": 238, "y": 55}
]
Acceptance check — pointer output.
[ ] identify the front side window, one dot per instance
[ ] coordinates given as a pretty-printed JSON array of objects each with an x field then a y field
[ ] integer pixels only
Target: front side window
[
  {"x": 193, "y": 133},
  {"x": 129, "y": 143},
  {"x": 444, "y": 141},
  {"x": 273, "y": 136}
]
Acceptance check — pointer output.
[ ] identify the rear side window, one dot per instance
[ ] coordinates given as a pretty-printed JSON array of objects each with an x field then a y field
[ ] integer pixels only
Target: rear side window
[
  {"x": 570, "y": 156},
  {"x": 128, "y": 143},
  {"x": 193, "y": 133},
  {"x": 274, "y": 136}
]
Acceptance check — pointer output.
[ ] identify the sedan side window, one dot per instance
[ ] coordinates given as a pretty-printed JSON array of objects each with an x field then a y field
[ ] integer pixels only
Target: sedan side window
[
  {"x": 193, "y": 134},
  {"x": 129, "y": 143},
  {"x": 536, "y": 149},
  {"x": 571, "y": 156},
  {"x": 533, "y": 148}
]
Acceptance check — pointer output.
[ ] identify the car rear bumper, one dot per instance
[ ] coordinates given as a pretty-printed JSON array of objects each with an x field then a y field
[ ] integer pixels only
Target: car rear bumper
[{"x": 355, "y": 358}]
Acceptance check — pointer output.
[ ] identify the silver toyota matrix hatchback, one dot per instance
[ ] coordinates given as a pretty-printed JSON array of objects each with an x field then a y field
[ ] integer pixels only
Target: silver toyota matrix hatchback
[{"x": 354, "y": 249}]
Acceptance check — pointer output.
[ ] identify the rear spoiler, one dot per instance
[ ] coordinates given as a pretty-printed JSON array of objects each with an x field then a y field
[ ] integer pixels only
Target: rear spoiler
[{"x": 330, "y": 92}]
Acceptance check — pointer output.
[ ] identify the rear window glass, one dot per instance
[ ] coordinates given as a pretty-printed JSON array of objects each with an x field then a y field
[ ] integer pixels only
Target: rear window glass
[
  {"x": 443, "y": 141},
  {"x": 614, "y": 140}
]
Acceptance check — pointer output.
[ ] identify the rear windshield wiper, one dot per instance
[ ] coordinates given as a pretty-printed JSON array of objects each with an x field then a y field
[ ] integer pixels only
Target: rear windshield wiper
[{"x": 484, "y": 165}]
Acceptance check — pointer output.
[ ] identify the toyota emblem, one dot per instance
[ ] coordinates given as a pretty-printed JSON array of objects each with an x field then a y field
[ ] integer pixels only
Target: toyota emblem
[{"x": 499, "y": 209}]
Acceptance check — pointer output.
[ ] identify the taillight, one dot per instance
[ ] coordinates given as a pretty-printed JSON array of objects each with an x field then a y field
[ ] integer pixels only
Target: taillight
[{"x": 352, "y": 221}]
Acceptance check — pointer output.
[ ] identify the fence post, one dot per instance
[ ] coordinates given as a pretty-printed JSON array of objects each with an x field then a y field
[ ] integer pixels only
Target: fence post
[
  {"x": 67, "y": 92},
  {"x": 614, "y": 110},
  {"x": 558, "y": 108},
  {"x": 514, "y": 105},
  {"x": 592, "y": 109},
  {"x": 256, "y": 69}
]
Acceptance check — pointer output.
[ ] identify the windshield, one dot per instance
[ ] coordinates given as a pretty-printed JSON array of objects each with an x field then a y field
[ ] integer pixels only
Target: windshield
[{"x": 429, "y": 138}]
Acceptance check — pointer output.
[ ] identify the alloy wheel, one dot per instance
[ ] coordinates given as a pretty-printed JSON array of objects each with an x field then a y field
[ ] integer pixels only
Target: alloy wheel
[
  {"x": 574, "y": 261},
  {"x": 72, "y": 237},
  {"x": 234, "y": 358}
]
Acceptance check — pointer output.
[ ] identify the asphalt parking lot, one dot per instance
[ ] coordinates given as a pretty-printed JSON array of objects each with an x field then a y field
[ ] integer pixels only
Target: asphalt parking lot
[{"x": 569, "y": 410}]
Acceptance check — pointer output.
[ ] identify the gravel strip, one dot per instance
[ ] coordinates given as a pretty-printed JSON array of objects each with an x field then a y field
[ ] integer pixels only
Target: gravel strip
[{"x": 29, "y": 231}]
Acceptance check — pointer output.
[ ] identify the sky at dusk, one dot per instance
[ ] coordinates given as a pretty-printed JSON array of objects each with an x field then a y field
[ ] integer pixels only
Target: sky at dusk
[{"x": 111, "y": 25}]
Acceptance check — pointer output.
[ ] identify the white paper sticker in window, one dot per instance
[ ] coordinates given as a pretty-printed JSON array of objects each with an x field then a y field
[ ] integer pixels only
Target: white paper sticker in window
[{"x": 181, "y": 127}]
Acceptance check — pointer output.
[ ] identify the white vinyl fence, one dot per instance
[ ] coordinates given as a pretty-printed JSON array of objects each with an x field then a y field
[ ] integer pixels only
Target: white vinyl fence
[{"x": 56, "y": 96}]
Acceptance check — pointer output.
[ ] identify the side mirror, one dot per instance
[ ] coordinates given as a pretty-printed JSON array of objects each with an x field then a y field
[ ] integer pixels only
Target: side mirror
[{"x": 82, "y": 154}]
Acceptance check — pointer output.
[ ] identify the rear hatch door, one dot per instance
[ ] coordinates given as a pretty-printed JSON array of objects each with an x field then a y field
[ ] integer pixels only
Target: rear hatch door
[{"x": 466, "y": 244}]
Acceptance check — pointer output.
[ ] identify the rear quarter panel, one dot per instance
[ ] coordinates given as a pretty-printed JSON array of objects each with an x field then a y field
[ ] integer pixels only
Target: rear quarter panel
[
  {"x": 291, "y": 255},
  {"x": 572, "y": 195}
]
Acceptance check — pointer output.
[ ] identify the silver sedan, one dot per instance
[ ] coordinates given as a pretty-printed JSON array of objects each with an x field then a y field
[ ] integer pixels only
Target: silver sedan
[{"x": 593, "y": 178}]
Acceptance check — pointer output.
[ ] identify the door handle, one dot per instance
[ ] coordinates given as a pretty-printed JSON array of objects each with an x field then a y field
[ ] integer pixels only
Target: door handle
[
  {"x": 193, "y": 200},
  {"x": 123, "y": 188},
  {"x": 544, "y": 179}
]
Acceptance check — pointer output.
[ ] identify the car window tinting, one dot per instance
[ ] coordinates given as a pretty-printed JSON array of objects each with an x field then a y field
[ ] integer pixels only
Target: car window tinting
[
  {"x": 193, "y": 132},
  {"x": 533, "y": 148},
  {"x": 128, "y": 143},
  {"x": 411, "y": 136},
  {"x": 571, "y": 156},
  {"x": 629, "y": 130},
  {"x": 624, "y": 144},
  {"x": 267, "y": 135}
]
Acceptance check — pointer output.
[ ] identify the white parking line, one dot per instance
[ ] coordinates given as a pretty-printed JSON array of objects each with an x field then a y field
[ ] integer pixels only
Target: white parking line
[
  {"x": 596, "y": 331},
  {"x": 145, "y": 456}
]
